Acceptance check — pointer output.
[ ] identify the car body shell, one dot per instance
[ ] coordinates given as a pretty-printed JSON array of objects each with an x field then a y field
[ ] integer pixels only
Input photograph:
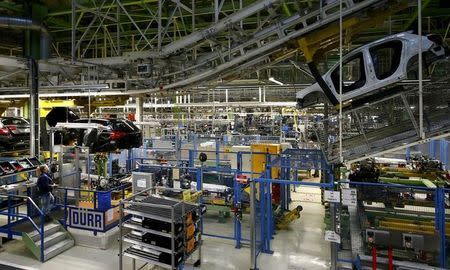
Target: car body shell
[
  {"x": 18, "y": 137},
  {"x": 101, "y": 141},
  {"x": 409, "y": 50}
]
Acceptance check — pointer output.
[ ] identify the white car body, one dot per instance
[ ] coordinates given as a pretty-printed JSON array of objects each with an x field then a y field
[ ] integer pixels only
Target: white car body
[{"x": 409, "y": 49}]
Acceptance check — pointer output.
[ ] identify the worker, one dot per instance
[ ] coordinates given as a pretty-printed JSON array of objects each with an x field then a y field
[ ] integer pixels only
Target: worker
[{"x": 45, "y": 186}]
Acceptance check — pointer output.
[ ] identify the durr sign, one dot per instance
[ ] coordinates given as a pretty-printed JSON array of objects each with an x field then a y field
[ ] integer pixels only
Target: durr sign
[{"x": 87, "y": 219}]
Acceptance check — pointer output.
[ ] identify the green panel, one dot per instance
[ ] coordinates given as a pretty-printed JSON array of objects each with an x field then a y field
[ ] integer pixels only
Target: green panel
[{"x": 29, "y": 243}]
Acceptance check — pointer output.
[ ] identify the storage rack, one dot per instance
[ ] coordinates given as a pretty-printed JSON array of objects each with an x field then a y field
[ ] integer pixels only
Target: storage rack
[
  {"x": 9, "y": 171},
  {"x": 170, "y": 214}
]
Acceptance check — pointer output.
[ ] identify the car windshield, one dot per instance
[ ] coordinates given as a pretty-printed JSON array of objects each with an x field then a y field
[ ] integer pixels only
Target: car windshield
[
  {"x": 386, "y": 58},
  {"x": 124, "y": 125},
  {"x": 353, "y": 74}
]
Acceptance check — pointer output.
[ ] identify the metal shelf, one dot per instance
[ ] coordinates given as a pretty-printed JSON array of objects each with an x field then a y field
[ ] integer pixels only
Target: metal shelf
[
  {"x": 159, "y": 213},
  {"x": 17, "y": 173},
  {"x": 129, "y": 238},
  {"x": 162, "y": 209},
  {"x": 136, "y": 226},
  {"x": 131, "y": 211},
  {"x": 137, "y": 254}
]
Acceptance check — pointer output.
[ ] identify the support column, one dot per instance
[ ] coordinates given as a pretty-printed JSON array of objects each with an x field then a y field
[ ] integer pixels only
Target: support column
[
  {"x": 74, "y": 6},
  {"x": 34, "y": 108},
  {"x": 216, "y": 11},
  {"x": 419, "y": 30},
  {"x": 260, "y": 94},
  {"x": 253, "y": 228},
  {"x": 139, "y": 109},
  {"x": 264, "y": 93},
  {"x": 160, "y": 37},
  {"x": 118, "y": 30},
  {"x": 334, "y": 247}
]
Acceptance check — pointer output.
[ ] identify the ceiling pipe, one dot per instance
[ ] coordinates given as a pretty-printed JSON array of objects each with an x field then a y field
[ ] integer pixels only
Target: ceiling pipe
[{"x": 29, "y": 24}]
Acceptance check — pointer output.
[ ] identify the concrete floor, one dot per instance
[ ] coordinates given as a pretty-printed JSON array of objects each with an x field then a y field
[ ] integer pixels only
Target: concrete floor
[{"x": 300, "y": 247}]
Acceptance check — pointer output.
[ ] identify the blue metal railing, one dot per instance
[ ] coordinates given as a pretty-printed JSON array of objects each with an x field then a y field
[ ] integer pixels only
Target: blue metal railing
[
  {"x": 12, "y": 214},
  {"x": 438, "y": 203}
]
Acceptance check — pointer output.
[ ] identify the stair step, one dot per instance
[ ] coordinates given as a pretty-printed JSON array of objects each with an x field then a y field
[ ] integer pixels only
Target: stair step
[
  {"x": 58, "y": 248},
  {"x": 52, "y": 239},
  {"x": 49, "y": 229}
]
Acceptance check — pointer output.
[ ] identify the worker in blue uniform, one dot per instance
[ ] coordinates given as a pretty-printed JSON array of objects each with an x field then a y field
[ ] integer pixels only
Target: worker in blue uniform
[{"x": 45, "y": 186}]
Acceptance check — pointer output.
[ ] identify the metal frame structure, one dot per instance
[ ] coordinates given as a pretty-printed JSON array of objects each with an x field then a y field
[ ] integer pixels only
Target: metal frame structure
[
  {"x": 173, "y": 215},
  {"x": 237, "y": 228},
  {"x": 193, "y": 166},
  {"x": 101, "y": 36},
  {"x": 439, "y": 200},
  {"x": 261, "y": 209},
  {"x": 263, "y": 229}
]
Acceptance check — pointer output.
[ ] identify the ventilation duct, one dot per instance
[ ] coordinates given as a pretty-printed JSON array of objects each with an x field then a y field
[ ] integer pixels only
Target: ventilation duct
[{"x": 29, "y": 24}]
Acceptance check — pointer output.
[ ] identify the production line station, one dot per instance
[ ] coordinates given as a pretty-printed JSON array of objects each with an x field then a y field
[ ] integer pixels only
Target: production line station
[{"x": 224, "y": 134}]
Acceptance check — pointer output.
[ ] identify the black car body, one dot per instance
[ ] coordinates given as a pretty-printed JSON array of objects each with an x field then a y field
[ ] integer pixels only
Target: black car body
[
  {"x": 58, "y": 115},
  {"x": 115, "y": 134},
  {"x": 14, "y": 133}
]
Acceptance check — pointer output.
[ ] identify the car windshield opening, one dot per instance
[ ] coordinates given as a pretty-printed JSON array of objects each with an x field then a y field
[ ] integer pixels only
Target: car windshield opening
[
  {"x": 353, "y": 74},
  {"x": 386, "y": 58}
]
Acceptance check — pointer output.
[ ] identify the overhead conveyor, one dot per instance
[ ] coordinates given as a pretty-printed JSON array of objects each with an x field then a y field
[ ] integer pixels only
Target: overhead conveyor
[{"x": 264, "y": 44}]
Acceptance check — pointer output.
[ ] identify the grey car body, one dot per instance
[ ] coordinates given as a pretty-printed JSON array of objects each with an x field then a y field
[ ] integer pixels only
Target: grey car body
[{"x": 374, "y": 66}]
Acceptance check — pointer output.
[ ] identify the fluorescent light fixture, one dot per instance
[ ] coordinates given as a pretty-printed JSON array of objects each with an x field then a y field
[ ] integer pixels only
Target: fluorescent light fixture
[{"x": 275, "y": 81}]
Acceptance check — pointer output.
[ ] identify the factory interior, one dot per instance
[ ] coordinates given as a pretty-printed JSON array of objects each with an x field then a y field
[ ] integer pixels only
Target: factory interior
[{"x": 224, "y": 134}]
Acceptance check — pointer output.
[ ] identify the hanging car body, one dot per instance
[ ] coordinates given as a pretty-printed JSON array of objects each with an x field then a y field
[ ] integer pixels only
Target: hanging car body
[{"x": 373, "y": 67}]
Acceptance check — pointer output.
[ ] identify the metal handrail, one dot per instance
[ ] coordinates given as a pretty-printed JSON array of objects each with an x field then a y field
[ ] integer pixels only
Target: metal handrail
[
  {"x": 204, "y": 169},
  {"x": 41, "y": 215},
  {"x": 23, "y": 197},
  {"x": 89, "y": 190}
]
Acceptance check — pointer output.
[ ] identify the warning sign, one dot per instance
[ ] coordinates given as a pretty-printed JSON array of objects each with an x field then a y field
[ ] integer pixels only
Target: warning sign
[
  {"x": 332, "y": 196},
  {"x": 332, "y": 236},
  {"x": 349, "y": 196}
]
